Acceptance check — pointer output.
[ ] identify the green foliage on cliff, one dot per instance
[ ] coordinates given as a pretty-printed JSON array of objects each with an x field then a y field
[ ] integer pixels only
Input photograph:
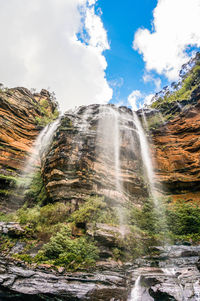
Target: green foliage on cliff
[
  {"x": 171, "y": 222},
  {"x": 36, "y": 192},
  {"x": 184, "y": 218},
  {"x": 190, "y": 80},
  {"x": 42, "y": 221},
  {"x": 95, "y": 210},
  {"x": 9, "y": 179},
  {"x": 47, "y": 117},
  {"x": 73, "y": 253},
  {"x": 152, "y": 220},
  {"x": 48, "y": 114}
]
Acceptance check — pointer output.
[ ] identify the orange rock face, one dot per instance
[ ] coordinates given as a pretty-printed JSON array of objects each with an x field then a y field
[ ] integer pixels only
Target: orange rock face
[
  {"x": 20, "y": 113},
  {"x": 177, "y": 154}
]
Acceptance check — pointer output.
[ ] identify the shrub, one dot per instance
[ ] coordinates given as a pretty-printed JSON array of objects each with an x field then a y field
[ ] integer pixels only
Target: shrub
[
  {"x": 94, "y": 209},
  {"x": 73, "y": 253},
  {"x": 184, "y": 218}
]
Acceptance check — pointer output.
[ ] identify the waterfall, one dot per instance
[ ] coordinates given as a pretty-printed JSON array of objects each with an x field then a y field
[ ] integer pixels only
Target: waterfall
[
  {"x": 137, "y": 291},
  {"x": 146, "y": 157},
  {"x": 150, "y": 177},
  {"x": 108, "y": 152},
  {"x": 40, "y": 146},
  {"x": 117, "y": 151},
  {"x": 171, "y": 272},
  {"x": 145, "y": 120}
]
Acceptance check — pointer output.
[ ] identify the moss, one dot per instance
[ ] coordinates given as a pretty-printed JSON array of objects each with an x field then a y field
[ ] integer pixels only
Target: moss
[
  {"x": 6, "y": 217},
  {"x": 8, "y": 178},
  {"x": 5, "y": 192},
  {"x": 36, "y": 192}
]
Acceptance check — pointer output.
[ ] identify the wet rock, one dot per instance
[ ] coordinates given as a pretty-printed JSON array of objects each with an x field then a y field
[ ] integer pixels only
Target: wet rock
[
  {"x": 18, "y": 248},
  {"x": 80, "y": 146},
  {"x": 175, "y": 278},
  {"x": 104, "y": 233},
  {"x": 11, "y": 228},
  {"x": 72, "y": 286},
  {"x": 20, "y": 111}
]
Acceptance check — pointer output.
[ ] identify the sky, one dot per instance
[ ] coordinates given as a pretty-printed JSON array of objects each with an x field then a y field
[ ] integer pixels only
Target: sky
[{"x": 97, "y": 51}]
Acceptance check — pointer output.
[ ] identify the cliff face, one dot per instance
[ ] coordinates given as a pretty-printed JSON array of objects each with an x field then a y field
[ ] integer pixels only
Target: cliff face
[
  {"x": 79, "y": 162},
  {"x": 21, "y": 118},
  {"x": 92, "y": 155},
  {"x": 176, "y": 154}
]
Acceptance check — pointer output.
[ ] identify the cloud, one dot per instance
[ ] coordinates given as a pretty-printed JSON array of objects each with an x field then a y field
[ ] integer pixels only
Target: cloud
[
  {"x": 150, "y": 78},
  {"x": 117, "y": 83},
  {"x": 137, "y": 99},
  {"x": 148, "y": 99},
  {"x": 176, "y": 26},
  {"x": 133, "y": 99},
  {"x": 40, "y": 49}
]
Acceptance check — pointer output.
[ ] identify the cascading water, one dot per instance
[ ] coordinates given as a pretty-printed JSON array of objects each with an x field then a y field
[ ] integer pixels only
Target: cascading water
[
  {"x": 39, "y": 147},
  {"x": 145, "y": 120},
  {"x": 108, "y": 151},
  {"x": 171, "y": 272},
  {"x": 137, "y": 291},
  {"x": 146, "y": 158}
]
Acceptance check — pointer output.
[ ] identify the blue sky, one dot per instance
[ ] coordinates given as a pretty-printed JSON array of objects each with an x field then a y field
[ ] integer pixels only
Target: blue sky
[
  {"x": 123, "y": 55},
  {"x": 125, "y": 65}
]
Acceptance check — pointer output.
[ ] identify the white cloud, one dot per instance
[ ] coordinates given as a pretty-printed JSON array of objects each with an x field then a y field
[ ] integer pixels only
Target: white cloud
[
  {"x": 175, "y": 27},
  {"x": 148, "y": 99},
  {"x": 150, "y": 78},
  {"x": 133, "y": 98},
  {"x": 40, "y": 49},
  {"x": 137, "y": 99}
]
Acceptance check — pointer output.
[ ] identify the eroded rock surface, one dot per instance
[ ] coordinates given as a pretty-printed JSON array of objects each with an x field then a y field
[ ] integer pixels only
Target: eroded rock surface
[
  {"x": 172, "y": 273},
  {"x": 95, "y": 152},
  {"x": 19, "y": 281},
  {"x": 21, "y": 113},
  {"x": 176, "y": 153}
]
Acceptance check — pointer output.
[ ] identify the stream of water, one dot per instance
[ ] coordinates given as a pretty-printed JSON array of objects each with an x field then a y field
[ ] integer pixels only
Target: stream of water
[{"x": 40, "y": 146}]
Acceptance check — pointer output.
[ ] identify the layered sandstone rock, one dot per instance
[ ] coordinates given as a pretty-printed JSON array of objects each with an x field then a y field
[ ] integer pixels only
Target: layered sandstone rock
[
  {"x": 172, "y": 273},
  {"x": 176, "y": 148},
  {"x": 21, "y": 119},
  {"x": 94, "y": 153}
]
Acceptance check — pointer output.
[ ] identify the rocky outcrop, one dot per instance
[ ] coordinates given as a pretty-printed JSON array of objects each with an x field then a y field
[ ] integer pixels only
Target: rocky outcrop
[
  {"x": 11, "y": 228},
  {"x": 94, "y": 153},
  {"x": 176, "y": 151},
  {"x": 171, "y": 273},
  {"x": 19, "y": 282},
  {"x": 21, "y": 118}
]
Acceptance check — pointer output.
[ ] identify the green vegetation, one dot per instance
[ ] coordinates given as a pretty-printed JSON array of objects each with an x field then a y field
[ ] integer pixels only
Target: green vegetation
[
  {"x": 36, "y": 192},
  {"x": 95, "y": 210},
  {"x": 189, "y": 82},
  {"x": 172, "y": 221},
  {"x": 62, "y": 239},
  {"x": 74, "y": 253},
  {"x": 46, "y": 111},
  {"x": 11, "y": 179},
  {"x": 47, "y": 117},
  {"x": 184, "y": 220}
]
